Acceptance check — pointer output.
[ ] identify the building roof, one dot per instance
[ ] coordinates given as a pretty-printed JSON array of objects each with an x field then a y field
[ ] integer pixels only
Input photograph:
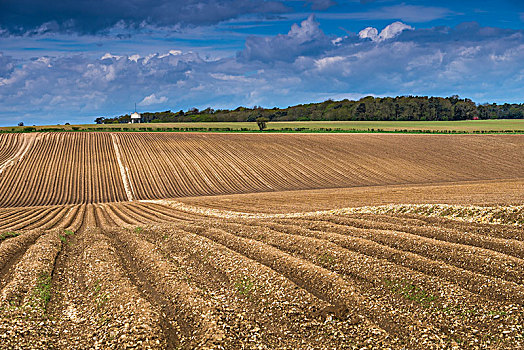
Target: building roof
[{"x": 135, "y": 115}]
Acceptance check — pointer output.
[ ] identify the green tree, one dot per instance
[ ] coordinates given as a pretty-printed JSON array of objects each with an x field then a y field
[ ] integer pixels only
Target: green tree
[{"x": 262, "y": 123}]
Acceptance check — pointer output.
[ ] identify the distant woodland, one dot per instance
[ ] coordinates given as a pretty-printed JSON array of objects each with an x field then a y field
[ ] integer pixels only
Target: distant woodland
[{"x": 411, "y": 108}]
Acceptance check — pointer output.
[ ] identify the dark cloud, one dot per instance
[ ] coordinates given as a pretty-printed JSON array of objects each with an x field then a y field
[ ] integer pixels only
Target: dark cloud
[
  {"x": 304, "y": 39},
  {"x": 7, "y": 65},
  {"x": 95, "y": 16},
  {"x": 319, "y": 5}
]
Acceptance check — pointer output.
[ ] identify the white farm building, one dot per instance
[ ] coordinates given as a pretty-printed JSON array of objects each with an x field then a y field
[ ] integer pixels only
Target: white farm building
[{"x": 136, "y": 117}]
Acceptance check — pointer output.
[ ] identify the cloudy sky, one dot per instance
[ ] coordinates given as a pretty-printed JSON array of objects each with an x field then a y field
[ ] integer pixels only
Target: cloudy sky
[{"x": 73, "y": 60}]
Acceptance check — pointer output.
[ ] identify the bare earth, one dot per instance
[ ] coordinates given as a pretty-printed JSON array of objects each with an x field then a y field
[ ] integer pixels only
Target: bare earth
[{"x": 231, "y": 241}]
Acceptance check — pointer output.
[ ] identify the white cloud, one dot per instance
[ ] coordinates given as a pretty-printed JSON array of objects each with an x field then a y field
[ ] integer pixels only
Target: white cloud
[
  {"x": 389, "y": 32},
  {"x": 152, "y": 100},
  {"x": 393, "y": 30},
  {"x": 134, "y": 58},
  {"x": 300, "y": 66},
  {"x": 110, "y": 56},
  {"x": 171, "y": 52},
  {"x": 369, "y": 33},
  {"x": 328, "y": 62}
]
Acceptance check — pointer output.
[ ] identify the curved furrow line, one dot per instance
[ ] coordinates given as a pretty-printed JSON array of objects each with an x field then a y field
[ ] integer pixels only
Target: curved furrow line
[
  {"x": 489, "y": 287},
  {"x": 137, "y": 168},
  {"x": 204, "y": 183},
  {"x": 168, "y": 177},
  {"x": 21, "y": 221},
  {"x": 113, "y": 216},
  {"x": 159, "y": 280},
  {"x": 337, "y": 165},
  {"x": 379, "y": 280},
  {"x": 366, "y": 169},
  {"x": 60, "y": 186},
  {"x": 281, "y": 174},
  {"x": 44, "y": 171},
  {"x": 110, "y": 160},
  {"x": 9, "y": 179},
  {"x": 59, "y": 167},
  {"x": 318, "y": 281},
  {"x": 95, "y": 304},
  {"x": 231, "y": 177},
  {"x": 477, "y": 260},
  {"x": 240, "y": 162},
  {"x": 10, "y": 215},
  {"x": 52, "y": 219},
  {"x": 150, "y": 215},
  {"x": 208, "y": 168},
  {"x": 104, "y": 219},
  {"x": 99, "y": 218},
  {"x": 16, "y": 195},
  {"x": 510, "y": 247},
  {"x": 144, "y": 169},
  {"x": 16, "y": 151},
  {"x": 121, "y": 217},
  {"x": 130, "y": 216},
  {"x": 143, "y": 217},
  {"x": 69, "y": 218},
  {"x": 77, "y": 219},
  {"x": 9, "y": 145},
  {"x": 327, "y": 175},
  {"x": 249, "y": 293},
  {"x": 263, "y": 162},
  {"x": 62, "y": 168},
  {"x": 24, "y": 296},
  {"x": 490, "y": 230},
  {"x": 37, "y": 261},
  {"x": 11, "y": 251},
  {"x": 173, "y": 181},
  {"x": 171, "y": 212}
]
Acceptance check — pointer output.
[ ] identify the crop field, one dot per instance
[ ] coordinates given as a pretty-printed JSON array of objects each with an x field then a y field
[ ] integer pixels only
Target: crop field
[
  {"x": 466, "y": 126},
  {"x": 261, "y": 241}
]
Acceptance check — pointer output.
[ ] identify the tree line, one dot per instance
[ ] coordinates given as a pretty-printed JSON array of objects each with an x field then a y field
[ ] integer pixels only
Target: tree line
[{"x": 402, "y": 108}]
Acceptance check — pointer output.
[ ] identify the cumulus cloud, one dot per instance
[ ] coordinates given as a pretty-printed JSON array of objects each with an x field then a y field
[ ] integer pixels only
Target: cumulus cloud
[
  {"x": 153, "y": 100},
  {"x": 369, "y": 33},
  {"x": 304, "y": 39},
  {"x": 478, "y": 62},
  {"x": 36, "y": 16},
  {"x": 389, "y": 32}
]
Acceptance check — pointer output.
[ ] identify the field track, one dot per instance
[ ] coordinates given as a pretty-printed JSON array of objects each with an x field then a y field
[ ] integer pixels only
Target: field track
[{"x": 178, "y": 241}]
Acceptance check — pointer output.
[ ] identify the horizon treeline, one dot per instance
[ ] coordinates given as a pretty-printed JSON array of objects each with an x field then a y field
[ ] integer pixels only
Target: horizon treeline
[{"x": 402, "y": 108}]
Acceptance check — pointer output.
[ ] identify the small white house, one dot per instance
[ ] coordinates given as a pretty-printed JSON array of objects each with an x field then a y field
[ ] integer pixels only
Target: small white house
[{"x": 136, "y": 117}]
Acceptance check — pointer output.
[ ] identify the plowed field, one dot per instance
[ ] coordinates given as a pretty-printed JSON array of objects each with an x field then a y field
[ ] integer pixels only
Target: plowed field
[{"x": 189, "y": 241}]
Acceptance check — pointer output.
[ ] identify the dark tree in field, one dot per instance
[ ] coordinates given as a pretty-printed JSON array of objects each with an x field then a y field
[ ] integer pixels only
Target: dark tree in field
[
  {"x": 21, "y": 124},
  {"x": 262, "y": 123}
]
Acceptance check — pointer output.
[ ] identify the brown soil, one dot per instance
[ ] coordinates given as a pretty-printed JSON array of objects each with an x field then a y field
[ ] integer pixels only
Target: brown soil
[{"x": 356, "y": 267}]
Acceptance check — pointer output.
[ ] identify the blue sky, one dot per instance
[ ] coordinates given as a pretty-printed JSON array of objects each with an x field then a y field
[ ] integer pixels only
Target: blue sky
[{"x": 72, "y": 61}]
